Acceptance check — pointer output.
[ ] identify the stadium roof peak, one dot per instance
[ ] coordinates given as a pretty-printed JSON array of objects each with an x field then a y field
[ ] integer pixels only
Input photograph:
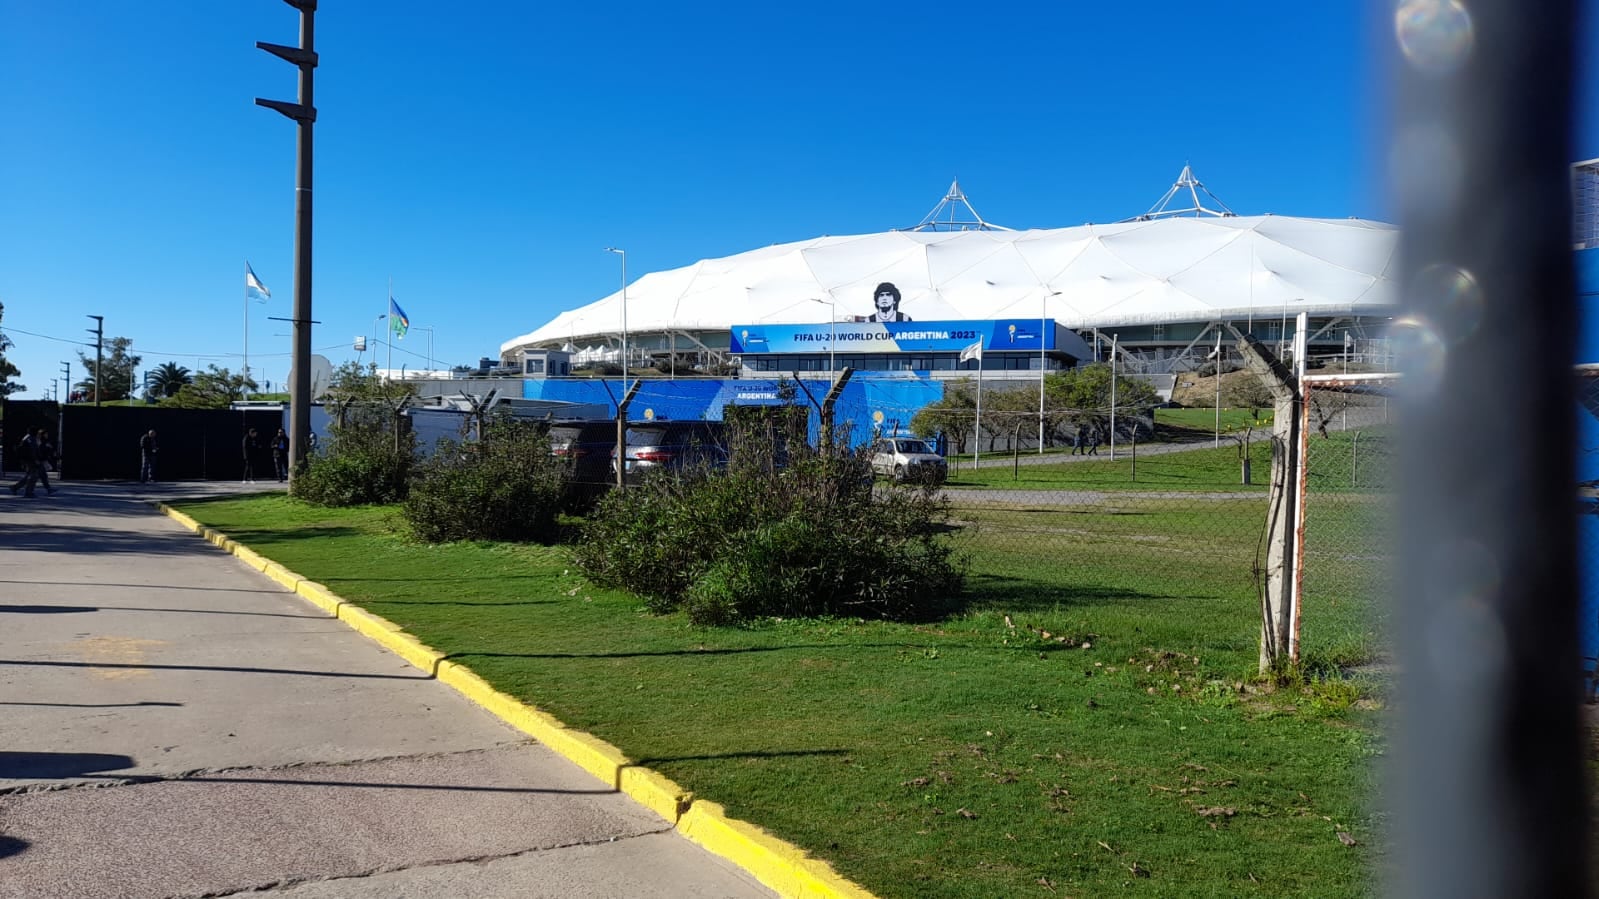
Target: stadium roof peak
[
  {"x": 1185, "y": 182},
  {"x": 944, "y": 215}
]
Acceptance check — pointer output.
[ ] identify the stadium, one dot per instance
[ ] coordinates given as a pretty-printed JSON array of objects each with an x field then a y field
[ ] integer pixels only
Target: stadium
[{"x": 1155, "y": 286}]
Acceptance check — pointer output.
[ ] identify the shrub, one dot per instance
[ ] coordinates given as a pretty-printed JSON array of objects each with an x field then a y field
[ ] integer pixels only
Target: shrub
[
  {"x": 505, "y": 486},
  {"x": 782, "y": 531},
  {"x": 363, "y": 460}
]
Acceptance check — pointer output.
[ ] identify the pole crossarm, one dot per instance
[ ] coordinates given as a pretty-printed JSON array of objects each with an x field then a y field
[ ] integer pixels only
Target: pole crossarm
[
  {"x": 305, "y": 115},
  {"x": 295, "y": 55}
]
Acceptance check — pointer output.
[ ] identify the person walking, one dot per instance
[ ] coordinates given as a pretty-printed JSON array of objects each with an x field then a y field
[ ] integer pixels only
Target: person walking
[
  {"x": 1093, "y": 440},
  {"x": 147, "y": 451},
  {"x": 27, "y": 451},
  {"x": 1077, "y": 439},
  {"x": 45, "y": 451},
  {"x": 252, "y": 447},
  {"x": 280, "y": 455}
]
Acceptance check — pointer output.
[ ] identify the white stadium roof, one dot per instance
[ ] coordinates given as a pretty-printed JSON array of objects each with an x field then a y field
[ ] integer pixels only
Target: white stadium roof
[{"x": 1154, "y": 271}]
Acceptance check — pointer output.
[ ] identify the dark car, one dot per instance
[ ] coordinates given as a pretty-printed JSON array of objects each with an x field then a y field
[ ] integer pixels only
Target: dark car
[
  {"x": 672, "y": 446},
  {"x": 586, "y": 446}
]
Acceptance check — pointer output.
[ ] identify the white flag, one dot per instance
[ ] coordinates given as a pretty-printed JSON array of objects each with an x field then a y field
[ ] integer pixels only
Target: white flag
[
  {"x": 975, "y": 351},
  {"x": 251, "y": 282}
]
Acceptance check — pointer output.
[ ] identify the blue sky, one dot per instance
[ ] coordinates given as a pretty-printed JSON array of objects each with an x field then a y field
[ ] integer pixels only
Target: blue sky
[{"x": 483, "y": 157}]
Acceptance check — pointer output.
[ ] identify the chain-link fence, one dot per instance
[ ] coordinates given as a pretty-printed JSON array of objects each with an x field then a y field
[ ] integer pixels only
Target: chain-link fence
[
  {"x": 1348, "y": 522},
  {"x": 1074, "y": 504},
  {"x": 1127, "y": 502}
]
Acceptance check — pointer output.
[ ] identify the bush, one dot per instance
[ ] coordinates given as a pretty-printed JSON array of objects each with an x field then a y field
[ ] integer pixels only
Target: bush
[
  {"x": 803, "y": 537},
  {"x": 505, "y": 486},
  {"x": 362, "y": 461}
]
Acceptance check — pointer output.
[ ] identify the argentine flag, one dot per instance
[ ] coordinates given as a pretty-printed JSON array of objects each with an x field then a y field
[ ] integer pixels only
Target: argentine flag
[
  {"x": 252, "y": 284},
  {"x": 398, "y": 322}
]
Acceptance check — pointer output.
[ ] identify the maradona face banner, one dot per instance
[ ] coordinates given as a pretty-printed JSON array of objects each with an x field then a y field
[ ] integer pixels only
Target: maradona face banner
[{"x": 997, "y": 335}]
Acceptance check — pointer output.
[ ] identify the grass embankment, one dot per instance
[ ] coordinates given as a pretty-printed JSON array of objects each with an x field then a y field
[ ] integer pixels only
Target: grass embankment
[{"x": 1079, "y": 731}]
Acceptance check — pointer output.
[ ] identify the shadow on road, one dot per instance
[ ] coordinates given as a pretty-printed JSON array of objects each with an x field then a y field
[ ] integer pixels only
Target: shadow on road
[{"x": 59, "y": 765}]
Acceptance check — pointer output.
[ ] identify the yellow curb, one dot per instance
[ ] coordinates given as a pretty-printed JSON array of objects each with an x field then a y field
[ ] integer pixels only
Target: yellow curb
[
  {"x": 319, "y": 596},
  {"x": 283, "y": 576},
  {"x": 781, "y": 866},
  {"x": 389, "y": 635},
  {"x": 248, "y": 556},
  {"x": 179, "y": 517},
  {"x": 650, "y": 789}
]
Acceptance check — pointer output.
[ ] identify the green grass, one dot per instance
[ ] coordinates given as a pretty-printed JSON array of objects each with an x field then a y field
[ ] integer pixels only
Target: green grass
[
  {"x": 1171, "y": 426},
  {"x": 1204, "y": 420},
  {"x": 1202, "y": 468},
  {"x": 968, "y": 758}
]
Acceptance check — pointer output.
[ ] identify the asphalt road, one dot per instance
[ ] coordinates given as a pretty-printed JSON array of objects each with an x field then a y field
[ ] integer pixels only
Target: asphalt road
[{"x": 176, "y": 724}]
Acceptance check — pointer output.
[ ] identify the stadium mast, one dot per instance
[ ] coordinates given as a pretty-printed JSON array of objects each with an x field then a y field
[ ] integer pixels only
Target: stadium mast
[
  {"x": 1185, "y": 182},
  {"x": 952, "y": 204}
]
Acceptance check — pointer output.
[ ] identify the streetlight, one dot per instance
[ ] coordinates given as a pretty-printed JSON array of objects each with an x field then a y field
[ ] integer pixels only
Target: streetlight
[
  {"x": 1043, "y": 313},
  {"x": 375, "y": 337},
  {"x": 832, "y": 332},
  {"x": 623, "y": 253}
]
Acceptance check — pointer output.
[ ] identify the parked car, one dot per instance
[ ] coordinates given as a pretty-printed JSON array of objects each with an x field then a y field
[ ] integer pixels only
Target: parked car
[
  {"x": 672, "y": 446},
  {"x": 587, "y": 446},
  {"x": 908, "y": 459}
]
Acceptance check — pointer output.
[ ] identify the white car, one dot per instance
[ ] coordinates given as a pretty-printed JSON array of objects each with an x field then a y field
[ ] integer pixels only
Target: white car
[{"x": 908, "y": 459}]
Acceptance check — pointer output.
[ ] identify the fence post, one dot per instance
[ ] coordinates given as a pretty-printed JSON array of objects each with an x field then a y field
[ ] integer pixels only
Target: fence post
[
  {"x": 1135, "y": 452},
  {"x": 1016, "y": 452},
  {"x": 1354, "y": 462},
  {"x": 828, "y": 403},
  {"x": 621, "y": 433},
  {"x": 1277, "y": 596}
]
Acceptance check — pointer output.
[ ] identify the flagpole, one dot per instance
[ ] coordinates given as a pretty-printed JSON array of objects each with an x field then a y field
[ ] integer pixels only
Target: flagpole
[
  {"x": 977, "y": 437},
  {"x": 390, "y": 313},
  {"x": 246, "y": 321}
]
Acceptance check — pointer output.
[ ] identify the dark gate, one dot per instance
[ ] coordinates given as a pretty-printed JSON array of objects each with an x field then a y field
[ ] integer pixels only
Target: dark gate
[{"x": 207, "y": 444}]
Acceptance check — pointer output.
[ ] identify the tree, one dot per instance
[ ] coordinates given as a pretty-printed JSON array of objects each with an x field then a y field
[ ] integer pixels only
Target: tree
[
  {"x": 116, "y": 381},
  {"x": 166, "y": 379},
  {"x": 1082, "y": 394},
  {"x": 7, "y": 370},
  {"x": 214, "y": 388},
  {"x": 953, "y": 415},
  {"x": 353, "y": 382}
]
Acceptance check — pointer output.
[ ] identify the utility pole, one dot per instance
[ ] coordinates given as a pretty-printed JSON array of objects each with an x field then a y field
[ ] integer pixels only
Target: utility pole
[
  {"x": 99, "y": 345},
  {"x": 304, "y": 115},
  {"x": 66, "y": 376}
]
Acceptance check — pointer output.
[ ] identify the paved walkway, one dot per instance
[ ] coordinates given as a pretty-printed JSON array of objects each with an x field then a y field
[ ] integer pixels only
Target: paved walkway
[{"x": 176, "y": 724}]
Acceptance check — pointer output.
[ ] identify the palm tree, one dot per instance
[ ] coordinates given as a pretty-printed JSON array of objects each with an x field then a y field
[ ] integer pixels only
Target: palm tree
[{"x": 167, "y": 379}]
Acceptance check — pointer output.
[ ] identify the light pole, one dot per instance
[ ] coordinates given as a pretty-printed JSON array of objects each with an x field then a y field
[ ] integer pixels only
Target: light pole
[
  {"x": 303, "y": 114},
  {"x": 832, "y": 333},
  {"x": 375, "y": 337},
  {"x": 1043, "y": 315},
  {"x": 99, "y": 344},
  {"x": 623, "y": 253}
]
